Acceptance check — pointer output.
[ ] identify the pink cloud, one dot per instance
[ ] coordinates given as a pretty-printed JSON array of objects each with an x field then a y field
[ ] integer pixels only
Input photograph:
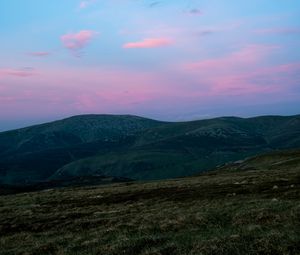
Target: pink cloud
[
  {"x": 73, "y": 91},
  {"x": 69, "y": 91},
  {"x": 39, "y": 54},
  {"x": 273, "y": 79},
  {"x": 16, "y": 72},
  {"x": 77, "y": 41},
  {"x": 149, "y": 43},
  {"x": 244, "y": 59},
  {"x": 243, "y": 72}
]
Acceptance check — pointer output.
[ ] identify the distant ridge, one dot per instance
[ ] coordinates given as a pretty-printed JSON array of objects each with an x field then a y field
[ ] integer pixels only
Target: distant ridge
[
  {"x": 93, "y": 115},
  {"x": 134, "y": 147}
]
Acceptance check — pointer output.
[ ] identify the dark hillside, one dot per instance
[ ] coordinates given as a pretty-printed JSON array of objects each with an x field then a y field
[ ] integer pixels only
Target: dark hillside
[
  {"x": 182, "y": 149},
  {"x": 137, "y": 148},
  {"x": 35, "y": 153}
]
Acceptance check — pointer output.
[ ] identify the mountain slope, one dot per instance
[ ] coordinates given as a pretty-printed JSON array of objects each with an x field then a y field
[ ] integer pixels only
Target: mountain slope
[
  {"x": 182, "y": 149},
  {"x": 74, "y": 130},
  {"x": 137, "y": 148},
  {"x": 277, "y": 160},
  {"x": 36, "y": 152}
]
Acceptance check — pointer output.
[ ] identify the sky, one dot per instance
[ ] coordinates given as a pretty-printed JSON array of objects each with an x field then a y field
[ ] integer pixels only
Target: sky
[{"x": 169, "y": 60}]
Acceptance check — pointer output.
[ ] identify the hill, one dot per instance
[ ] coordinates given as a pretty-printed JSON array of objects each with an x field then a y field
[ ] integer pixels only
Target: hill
[
  {"x": 183, "y": 149},
  {"x": 249, "y": 207},
  {"x": 35, "y": 153},
  {"x": 278, "y": 160},
  {"x": 137, "y": 148}
]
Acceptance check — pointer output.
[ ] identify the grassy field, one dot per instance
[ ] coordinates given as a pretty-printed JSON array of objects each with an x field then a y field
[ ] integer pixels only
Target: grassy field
[{"x": 250, "y": 212}]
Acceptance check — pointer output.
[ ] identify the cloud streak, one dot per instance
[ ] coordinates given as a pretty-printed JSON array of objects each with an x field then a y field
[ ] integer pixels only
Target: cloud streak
[
  {"x": 280, "y": 31},
  {"x": 195, "y": 11},
  {"x": 243, "y": 59},
  {"x": 242, "y": 72},
  {"x": 205, "y": 32},
  {"x": 22, "y": 73},
  {"x": 39, "y": 54},
  {"x": 155, "y": 3},
  {"x": 149, "y": 43}
]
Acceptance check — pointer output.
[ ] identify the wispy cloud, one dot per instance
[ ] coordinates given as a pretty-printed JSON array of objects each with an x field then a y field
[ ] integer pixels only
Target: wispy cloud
[
  {"x": 245, "y": 58},
  {"x": 155, "y": 3},
  {"x": 205, "y": 32},
  {"x": 195, "y": 11},
  {"x": 86, "y": 3},
  {"x": 282, "y": 31},
  {"x": 23, "y": 72},
  {"x": 39, "y": 54},
  {"x": 77, "y": 41},
  {"x": 149, "y": 43},
  {"x": 241, "y": 72}
]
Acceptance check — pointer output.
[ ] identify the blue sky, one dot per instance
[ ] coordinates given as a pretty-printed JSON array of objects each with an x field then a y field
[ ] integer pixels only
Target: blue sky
[{"x": 172, "y": 60}]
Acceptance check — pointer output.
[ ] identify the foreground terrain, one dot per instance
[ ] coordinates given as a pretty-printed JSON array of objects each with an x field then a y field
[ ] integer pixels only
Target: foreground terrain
[{"x": 229, "y": 211}]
